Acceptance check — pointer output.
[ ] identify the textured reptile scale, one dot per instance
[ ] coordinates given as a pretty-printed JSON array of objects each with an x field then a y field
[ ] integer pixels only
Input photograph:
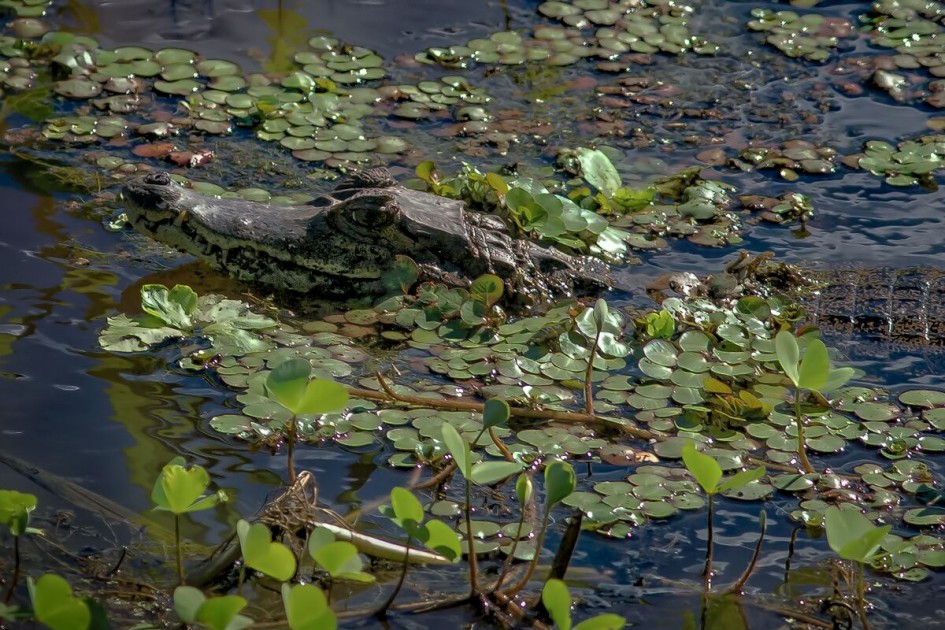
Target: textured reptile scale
[{"x": 899, "y": 305}]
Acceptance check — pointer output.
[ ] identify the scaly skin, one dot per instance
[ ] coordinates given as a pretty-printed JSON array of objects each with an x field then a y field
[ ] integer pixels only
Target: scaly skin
[{"x": 347, "y": 243}]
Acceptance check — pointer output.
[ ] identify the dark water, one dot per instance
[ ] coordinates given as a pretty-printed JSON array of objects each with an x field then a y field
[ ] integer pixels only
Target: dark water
[{"x": 110, "y": 422}]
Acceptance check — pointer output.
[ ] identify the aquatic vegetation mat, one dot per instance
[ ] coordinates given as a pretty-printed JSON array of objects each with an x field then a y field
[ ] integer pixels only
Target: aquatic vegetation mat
[{"x": 608, "y": 129}]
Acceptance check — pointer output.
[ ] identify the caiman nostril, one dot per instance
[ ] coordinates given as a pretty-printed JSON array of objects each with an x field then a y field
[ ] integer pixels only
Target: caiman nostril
[{"x": 159, "y": 178}]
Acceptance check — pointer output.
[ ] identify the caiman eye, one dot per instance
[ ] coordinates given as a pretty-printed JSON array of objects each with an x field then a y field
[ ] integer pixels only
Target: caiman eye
[
  {"x": 373, "y": 213},
  {"x": 158, "y": 178}
]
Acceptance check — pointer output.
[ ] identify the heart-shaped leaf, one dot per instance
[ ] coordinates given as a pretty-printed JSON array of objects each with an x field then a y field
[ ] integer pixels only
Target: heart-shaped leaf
[
  {"x": 306, "y": 608},
  {"x": 742, "y": 478},
  {"x": 187, "y": 601},
  {"x": 323, "y": 396},
  {"x": 178, "y": 488},
  {"x": 288, "y": 385},
  {"x": 341, "y": 560},
  {"x": 486, "y": 473},
  {"x": 408, "y": 512},
  {"x": 55, "y": 606},
  {"x": 222, "y": 613},
  {"x": 815, "y": 366},
  {"x": 261, "y": 553},
  {"x": 788, "y": 353},
  {"x": 441, "y": 538},
  {"x": 15, "y": 509}
]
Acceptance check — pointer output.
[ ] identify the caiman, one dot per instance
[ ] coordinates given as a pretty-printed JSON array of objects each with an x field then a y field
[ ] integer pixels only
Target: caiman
[
  {"x": 902, "y": 305},
  {"x": 348, "y": 242}
]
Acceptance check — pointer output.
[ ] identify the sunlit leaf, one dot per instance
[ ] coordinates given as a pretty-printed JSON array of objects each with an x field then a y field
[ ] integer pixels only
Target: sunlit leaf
[
  {"x": 261, "y": 553},
  {"x": 222, "y": 613},
  {"x": 815, "y": 366},
  {"x": 788, "y": 355},
  {"x": 742, "y": 478},
  {"x": 598, "y": 170},
  {"x": 703, "y": 467},
  {"x": 851, "y": 535},
  {"x": 458, "y": 448},
  {"x": 486, "y": 473},
  {"x": 179, "y": 489}
]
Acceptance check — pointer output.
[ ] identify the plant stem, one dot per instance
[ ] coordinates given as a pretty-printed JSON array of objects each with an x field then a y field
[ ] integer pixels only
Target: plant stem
[
  {"x": 588, "y": 389},
  {"x": 511, "y": 556},
  {"x": 707, "y": 572},
  {"x": 739, "y": 584},
  {"x": 861, "y": 596},
  {"x": 180, "y": 555},
  {"x": 290, "y": 444},
  {"x": 382, "y": 611},
  {"x": 473, "y": 565},
  {"x": 801, "y": 444},
  {"x": 8, "y": 597},
  {"x": 534, "y": 563}
]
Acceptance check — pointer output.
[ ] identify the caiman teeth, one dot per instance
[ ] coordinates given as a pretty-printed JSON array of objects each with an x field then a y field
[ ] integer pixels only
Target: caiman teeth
[{"x": 181, "y": 217}]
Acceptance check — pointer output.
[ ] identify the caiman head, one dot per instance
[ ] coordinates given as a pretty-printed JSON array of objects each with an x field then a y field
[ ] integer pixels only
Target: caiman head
[
  {"x": 341, "y": 244},
  {"x": 344, "y": 243}
]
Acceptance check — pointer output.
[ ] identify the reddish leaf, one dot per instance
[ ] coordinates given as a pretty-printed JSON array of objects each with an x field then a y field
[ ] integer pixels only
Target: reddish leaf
[{"x": 154, "y": 150}]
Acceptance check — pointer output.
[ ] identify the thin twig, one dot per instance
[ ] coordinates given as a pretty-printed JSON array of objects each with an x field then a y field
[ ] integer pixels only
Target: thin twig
[
  {"x": 740, "y": 582},
  {"x": 522, "y": 412}
]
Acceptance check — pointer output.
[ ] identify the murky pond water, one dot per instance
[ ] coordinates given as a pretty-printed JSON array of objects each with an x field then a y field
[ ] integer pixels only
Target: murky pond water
[{"x": 110, "y": 421}]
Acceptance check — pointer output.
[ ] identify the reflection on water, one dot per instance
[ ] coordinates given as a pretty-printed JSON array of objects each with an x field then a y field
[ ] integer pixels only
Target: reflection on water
[{"x": 264, "y": 30}]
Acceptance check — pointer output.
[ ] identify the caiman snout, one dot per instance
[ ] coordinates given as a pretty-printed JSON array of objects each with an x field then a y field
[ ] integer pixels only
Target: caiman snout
[{"x": 154, "y": 191}]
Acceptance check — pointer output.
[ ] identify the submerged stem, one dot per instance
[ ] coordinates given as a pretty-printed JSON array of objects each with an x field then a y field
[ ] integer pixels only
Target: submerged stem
[
  {"x": 707, "y": 573},
  {"x": 801, "y": 444},
  {"x": 473, "y": 566},
  {"x": 16, "y": 571},
  {"x": 382, "y": 611},
  {"x": 290, "y": 444},
  {"x": 180, "y": 555},
  {"x": 534, "y": 563},
  {"x": 861, "y": 596}
]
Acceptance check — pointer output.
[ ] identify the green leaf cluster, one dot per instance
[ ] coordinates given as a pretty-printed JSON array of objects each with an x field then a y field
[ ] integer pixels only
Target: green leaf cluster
[
  {"x": 178, "y": 313},
  {"x": 708, "y": 472},
  {"x": 407, "y": 513},
  {"x": 813, "y": 372}
]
